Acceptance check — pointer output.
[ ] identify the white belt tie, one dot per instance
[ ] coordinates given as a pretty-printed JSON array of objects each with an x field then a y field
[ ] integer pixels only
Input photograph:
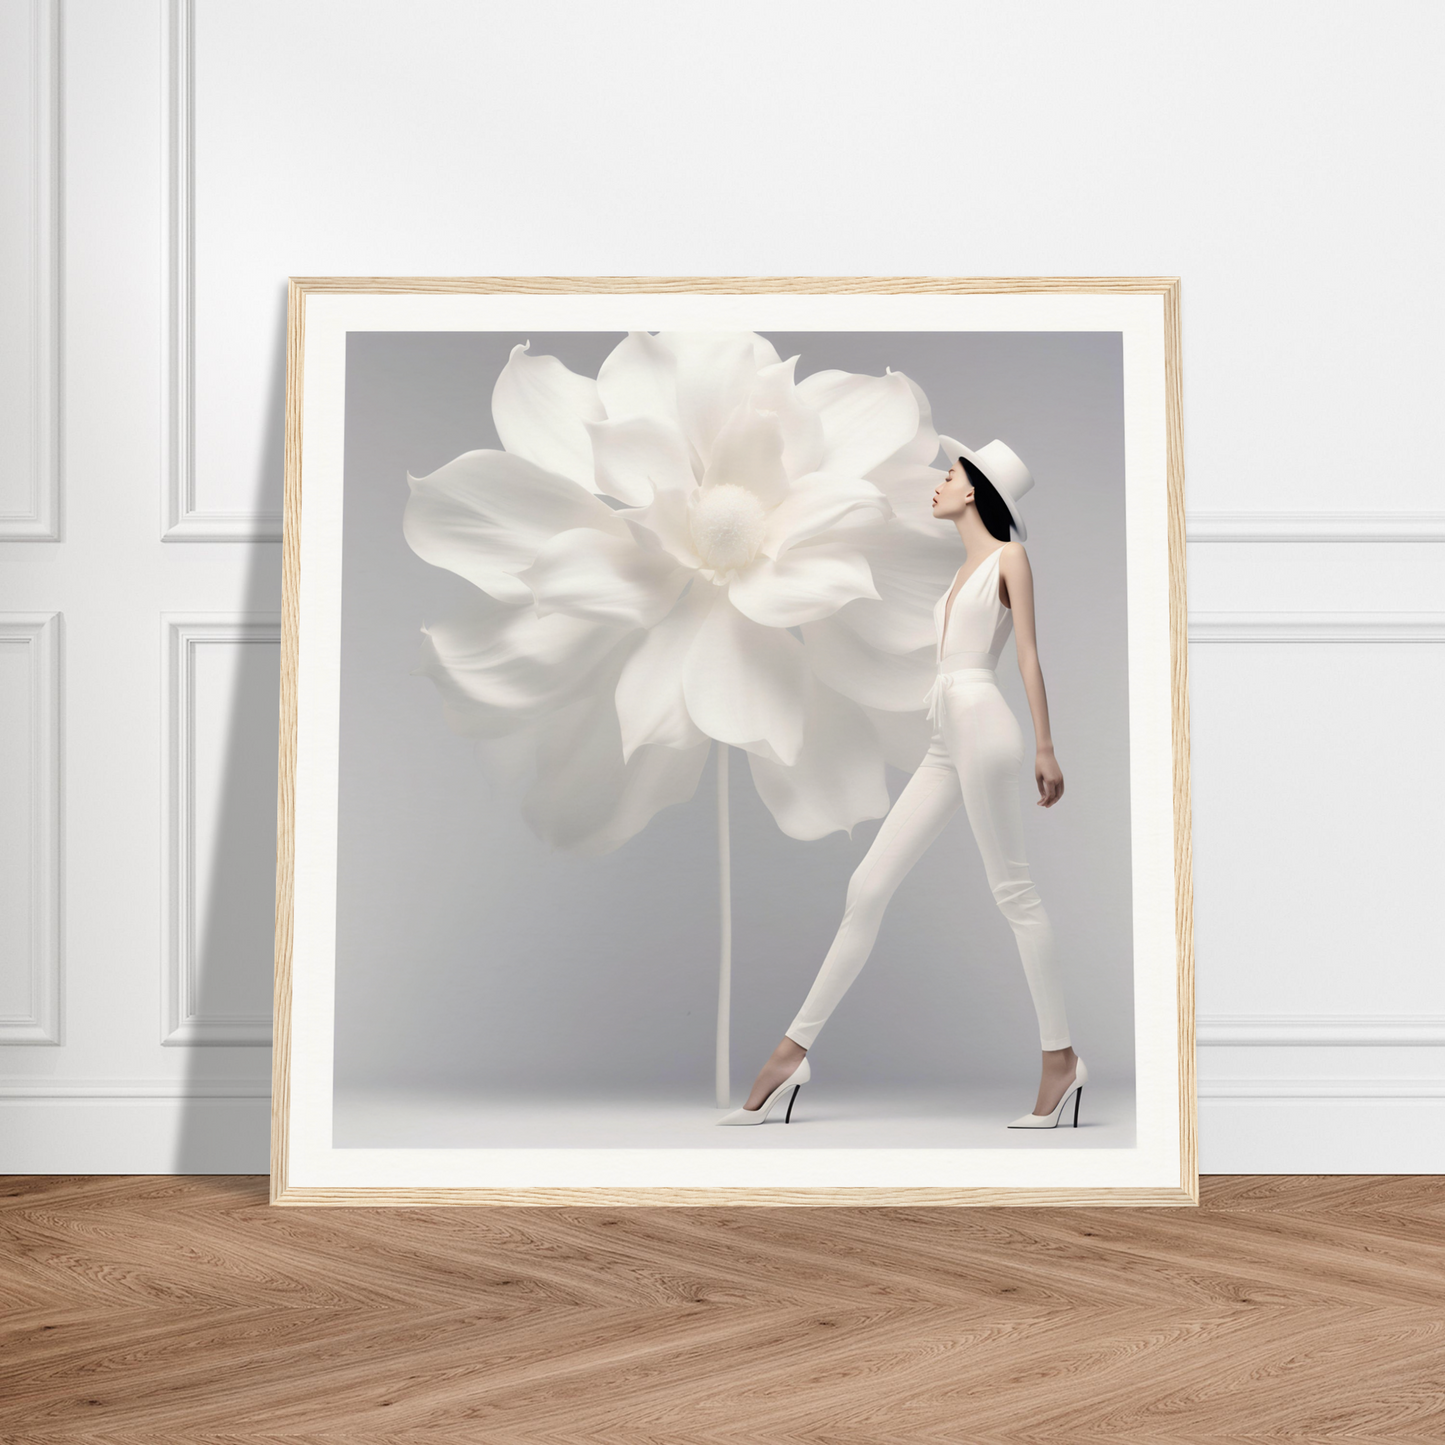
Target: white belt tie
[
  {"x": 935, "y": 697},
  {"x": 973, "y": 665}
]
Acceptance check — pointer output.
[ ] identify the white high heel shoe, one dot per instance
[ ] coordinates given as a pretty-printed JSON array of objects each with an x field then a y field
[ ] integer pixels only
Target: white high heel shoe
[
  {"x": 1075, "y": 1091},
  {"x": 794, "y": 1081}
]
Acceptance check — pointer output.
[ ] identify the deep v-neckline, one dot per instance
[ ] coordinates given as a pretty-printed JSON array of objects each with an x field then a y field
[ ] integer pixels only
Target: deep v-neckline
[{"x": 951, "y": 596}]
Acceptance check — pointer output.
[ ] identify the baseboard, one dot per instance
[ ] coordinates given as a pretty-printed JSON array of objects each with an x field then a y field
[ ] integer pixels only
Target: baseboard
[
  {"x": 121, "y": 1135},
  {"x": 1321, "y": 1135},
  {"x": 1300, "y": 1135}
]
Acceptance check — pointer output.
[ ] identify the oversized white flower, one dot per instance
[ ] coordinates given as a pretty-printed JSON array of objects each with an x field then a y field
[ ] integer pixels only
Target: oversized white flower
[{"x": 693, "y": 547}]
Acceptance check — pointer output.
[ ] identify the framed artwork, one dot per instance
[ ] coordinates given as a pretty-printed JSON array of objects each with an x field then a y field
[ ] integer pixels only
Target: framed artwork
[{"x": 734, "y": 701}]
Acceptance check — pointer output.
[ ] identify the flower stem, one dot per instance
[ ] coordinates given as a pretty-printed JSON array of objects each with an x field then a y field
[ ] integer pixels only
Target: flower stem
[{"x": 725, "y": 961}]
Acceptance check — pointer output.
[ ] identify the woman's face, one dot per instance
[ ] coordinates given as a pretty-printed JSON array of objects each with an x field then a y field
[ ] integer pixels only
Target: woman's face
[{"x": 953, "y": 494}]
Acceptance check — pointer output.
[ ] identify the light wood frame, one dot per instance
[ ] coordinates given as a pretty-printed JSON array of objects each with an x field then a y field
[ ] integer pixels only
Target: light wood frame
[{"x": 283, "y": 1191}]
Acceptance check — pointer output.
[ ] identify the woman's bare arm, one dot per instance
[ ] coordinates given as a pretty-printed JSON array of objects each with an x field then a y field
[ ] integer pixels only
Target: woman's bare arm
[{"x": 1018, "y": 583}]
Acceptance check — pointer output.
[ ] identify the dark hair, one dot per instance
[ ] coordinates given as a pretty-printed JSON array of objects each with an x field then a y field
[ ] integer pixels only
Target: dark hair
[{"x": 993, "y": 511}]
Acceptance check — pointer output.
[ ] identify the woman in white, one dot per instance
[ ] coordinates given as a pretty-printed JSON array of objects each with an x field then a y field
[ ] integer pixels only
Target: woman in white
[{"x": 974, "y": 759}]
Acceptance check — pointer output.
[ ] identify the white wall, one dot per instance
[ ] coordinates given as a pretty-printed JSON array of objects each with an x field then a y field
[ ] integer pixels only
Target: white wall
[{"x": 164, "y": 166}]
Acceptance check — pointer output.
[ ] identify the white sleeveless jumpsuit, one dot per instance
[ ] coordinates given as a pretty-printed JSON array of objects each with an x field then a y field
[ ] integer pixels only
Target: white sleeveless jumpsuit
[{"x": 975, "y": 758}]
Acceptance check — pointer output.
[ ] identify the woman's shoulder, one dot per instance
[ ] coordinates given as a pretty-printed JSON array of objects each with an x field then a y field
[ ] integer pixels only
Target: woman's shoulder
[{"x": 1013, "y": 560}]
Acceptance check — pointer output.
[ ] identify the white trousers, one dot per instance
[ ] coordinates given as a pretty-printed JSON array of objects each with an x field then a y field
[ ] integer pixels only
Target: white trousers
[{"x": 974, "y": 758}]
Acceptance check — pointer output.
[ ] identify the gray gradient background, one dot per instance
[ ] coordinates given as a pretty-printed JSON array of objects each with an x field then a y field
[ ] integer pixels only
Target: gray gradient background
[{"x": 472, "y": 958}]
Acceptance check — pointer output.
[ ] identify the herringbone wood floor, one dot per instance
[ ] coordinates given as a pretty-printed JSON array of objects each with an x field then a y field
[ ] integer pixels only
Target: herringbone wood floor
[{"x": 162, "y": 1309}]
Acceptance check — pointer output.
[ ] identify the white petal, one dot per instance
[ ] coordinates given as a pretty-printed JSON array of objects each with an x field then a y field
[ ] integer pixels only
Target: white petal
[
  {"x": 865, "y": 418},
  {"x": 638, "y": 456},
  {"x": 539, "y": 408},
  {"x": 883, "y": 680},
  {"x": 837, "y": 780},
  {"x": 909, "y": 488},
  {"x": 802, "y": 428},
  {"x": 910, "y": 570},
  {"x": 803, "y": 585},
  {"x": 510, "y": 761},
  {"x": 748, "y": 452},
  {"x": 764, "y": 352},
  {"x": 715, "y": 371},
  {"x": 903, "y": 736},
  {"x": 819, "y": 501},
  {"x": 639, "y": 378},
  {"x": 667, "y": 517},
  {"x": 605, "y": 578},
  {"x": 586, "y": 799},
  {"x": 498, "y": 666},
  {"x": 651, "y": 707},
  {"x": 922, "y": 447},
  {"x": 485, "y": 514},
  {"x": 746, "y": 684}
]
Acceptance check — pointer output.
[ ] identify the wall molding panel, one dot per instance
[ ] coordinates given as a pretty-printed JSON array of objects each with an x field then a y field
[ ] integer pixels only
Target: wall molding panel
[
  {"x": 1322, "y": 1088},
  {"x": 1311, "y": 1121},
  {"x": 182, "y": 1021},
  {"x": 53, "y": 1088},
  {"x": 38, "y": 759},
  {"x": 1243, "y": 627},
  {"x": 1321, "y": 1030},
  {"x": 1315, "y": 527},
  {"x": 39, "y": 519},
  {"x": 182, "y": 518}
]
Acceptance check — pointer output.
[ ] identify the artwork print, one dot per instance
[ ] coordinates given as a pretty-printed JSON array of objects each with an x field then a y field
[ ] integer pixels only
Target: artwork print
[{"x": 735, "y": 758}]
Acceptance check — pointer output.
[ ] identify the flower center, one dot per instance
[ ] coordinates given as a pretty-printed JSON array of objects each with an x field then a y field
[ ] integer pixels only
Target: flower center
[{"x": 728, "y": 522}]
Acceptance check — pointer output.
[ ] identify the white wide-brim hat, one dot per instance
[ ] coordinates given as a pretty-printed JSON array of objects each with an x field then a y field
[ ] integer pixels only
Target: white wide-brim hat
[{"x": 1003, "y": 467}]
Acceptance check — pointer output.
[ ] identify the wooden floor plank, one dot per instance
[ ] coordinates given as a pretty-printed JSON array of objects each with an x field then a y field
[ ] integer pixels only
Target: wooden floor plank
[{"x": 186, "y": 1309}]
